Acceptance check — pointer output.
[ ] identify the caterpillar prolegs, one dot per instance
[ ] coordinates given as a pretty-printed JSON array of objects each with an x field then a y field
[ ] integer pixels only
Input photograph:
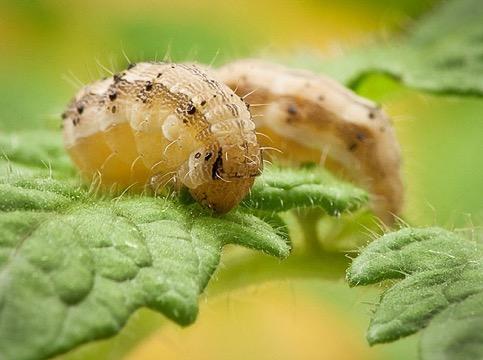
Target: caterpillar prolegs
[{"x": 159, "y": 121}]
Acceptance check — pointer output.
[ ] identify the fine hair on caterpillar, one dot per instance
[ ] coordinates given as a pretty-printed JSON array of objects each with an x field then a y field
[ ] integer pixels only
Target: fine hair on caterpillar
[
  {"x": 157, "y": 120},
  {"x": 160, "y": 123},
  {"x": 310, "y": 117}
]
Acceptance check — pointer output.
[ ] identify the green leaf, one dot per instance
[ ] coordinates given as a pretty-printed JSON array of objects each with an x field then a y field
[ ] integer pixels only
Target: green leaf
[
  {"x": 33, "y": 152},
  {"x": 441, "y": 291},
  {"x": 73, "y": 268},
  {"x": 442, "y": 53},
  {"x": 280, "y": 189}
]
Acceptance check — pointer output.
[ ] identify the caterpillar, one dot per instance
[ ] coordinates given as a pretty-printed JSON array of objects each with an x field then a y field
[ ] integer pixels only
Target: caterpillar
[
  {"x": 311, "y": 117},
  {"x": 157, "y": 121}
]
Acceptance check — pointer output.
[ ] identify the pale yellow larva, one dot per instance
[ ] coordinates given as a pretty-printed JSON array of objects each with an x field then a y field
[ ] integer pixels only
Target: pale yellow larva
[
  {"x": 312, "y": 117},
  {"x": 157, "y": 120}
]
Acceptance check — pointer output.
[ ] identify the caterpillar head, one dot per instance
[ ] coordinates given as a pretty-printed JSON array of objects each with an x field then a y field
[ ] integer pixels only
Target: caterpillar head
[{"x": 220, "y": 177}]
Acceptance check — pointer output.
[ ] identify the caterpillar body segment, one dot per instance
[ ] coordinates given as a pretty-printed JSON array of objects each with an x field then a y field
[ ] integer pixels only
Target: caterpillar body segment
[
  {"x": 311, "y": 117},
  {"x": 159, "y": 121}
]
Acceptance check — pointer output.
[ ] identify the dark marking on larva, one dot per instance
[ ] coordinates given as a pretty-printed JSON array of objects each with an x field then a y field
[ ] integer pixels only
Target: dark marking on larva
[
  {"x": 208, "y": 156},
  {"x": 371, "y": 115},
  {"x": 197, "y": 155},
  {"x": 292, "y": 109},
  {"x": 75, "y": 121},
  {"x": 191, "y": 109},
  {"x": 203, "y": 102},
  {"x": 117, "y": 78},
  {"x": 212, "y": 83},
  {"x": 80, "y": 109},
  {"x": 360, "y": 136},
  {"x": 159, "y": 75},
  {"x": 64, "y": 116},
  {"x": 236, "y": 176},
  {"x": 130, "y": 66},
  {"x": 195, "y": 71},
  {"x": 113, "y": 109},
  {"x": 149, "y": 86},
  {"x": 233, "y": 109},
  {"x": 217, "y": 165},
  {"x": 113, "y": 96},
  {"x": 352, "y": 147}
]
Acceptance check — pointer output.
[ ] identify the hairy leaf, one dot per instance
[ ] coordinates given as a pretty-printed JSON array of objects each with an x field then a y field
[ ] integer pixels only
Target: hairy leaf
[
  {"x": 280, "y": 189},
  {"x": 441, "y": 291},
  {"x": 443, "y": 53},
  {"x": 73, "y": 269},
  {"x": 33, "y": 152}
]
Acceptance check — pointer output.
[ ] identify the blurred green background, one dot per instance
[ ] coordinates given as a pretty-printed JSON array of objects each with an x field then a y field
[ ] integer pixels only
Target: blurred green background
[{"x": 48, "y": 48}]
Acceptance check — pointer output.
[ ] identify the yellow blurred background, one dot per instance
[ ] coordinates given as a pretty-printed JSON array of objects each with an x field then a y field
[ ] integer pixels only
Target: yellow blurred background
[{"x": 49, "y": 47}]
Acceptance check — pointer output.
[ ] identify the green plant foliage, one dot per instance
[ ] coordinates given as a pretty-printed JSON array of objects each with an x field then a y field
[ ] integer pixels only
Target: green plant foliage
[
  {"x": 441, "y": 53},
  {"x": 74, "y": 266},
  {"x": 440, "y": 291},
  {"x": 33, "y": 152},
  {"x": 281, "y": 189}
]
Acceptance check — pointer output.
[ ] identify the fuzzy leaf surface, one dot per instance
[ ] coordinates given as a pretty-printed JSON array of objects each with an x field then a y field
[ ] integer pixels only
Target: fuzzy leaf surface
[
  {"x": 440, "y": 291},
  {"x": 73, "y": 268},
  {"x": 280, "y": 189}
]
